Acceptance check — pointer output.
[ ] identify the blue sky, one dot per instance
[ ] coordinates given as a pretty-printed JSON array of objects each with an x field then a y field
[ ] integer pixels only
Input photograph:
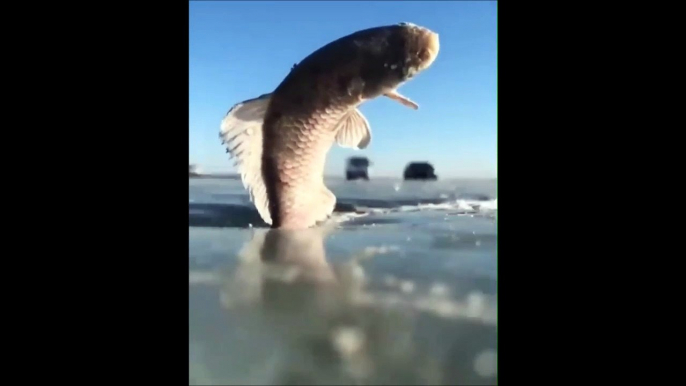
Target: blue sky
[{"x": 240, "y": 50}]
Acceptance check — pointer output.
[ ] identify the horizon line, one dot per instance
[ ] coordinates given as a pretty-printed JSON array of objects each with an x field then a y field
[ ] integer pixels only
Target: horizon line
[{"x": 238, "y": 177}]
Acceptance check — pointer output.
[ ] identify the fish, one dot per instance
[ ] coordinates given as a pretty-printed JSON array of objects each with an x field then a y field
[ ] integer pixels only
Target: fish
[{"x": 280, "y": 140}]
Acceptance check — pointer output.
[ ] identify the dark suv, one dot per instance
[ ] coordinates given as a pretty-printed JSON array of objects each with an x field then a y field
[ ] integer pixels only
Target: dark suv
[
  {"x": 357, "y": 168},
  {"x": 419, "y": 171}
]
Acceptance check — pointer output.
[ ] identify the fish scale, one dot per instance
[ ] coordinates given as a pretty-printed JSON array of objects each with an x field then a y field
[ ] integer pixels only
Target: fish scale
[{"x": 302, "y": 165}]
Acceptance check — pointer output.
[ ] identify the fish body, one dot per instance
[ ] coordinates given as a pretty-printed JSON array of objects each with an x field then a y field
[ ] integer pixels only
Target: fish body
[{"x": 280, "y": 140}]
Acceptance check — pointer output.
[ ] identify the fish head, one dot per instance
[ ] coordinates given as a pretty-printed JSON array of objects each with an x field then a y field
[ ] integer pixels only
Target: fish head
[
  {"x": 421, "y": 47},
  {"x": 395, "y": 54}
]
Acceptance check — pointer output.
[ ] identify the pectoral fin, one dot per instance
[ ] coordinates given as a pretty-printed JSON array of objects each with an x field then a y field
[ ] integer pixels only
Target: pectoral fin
[{"x": 401, "y": 99}]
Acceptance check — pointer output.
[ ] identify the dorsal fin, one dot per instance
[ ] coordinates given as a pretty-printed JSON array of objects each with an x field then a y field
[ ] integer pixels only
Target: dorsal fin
[{"x": 241, "y": 132}]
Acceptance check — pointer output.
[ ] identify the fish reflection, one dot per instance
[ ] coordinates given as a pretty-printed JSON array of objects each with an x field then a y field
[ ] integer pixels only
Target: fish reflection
[
  {"x": 302, "y": 251},
  {"x": 288, "y": 270},
  {"x": 297, "y": 279},
  {"x": 293, "y": 316}
]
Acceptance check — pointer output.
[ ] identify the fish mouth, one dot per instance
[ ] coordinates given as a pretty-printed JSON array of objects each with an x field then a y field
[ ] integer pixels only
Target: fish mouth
[{"x": 431, "y": 45}]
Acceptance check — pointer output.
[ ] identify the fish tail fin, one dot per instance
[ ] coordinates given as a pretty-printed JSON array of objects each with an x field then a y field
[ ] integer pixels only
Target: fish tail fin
[{"x": 241, "y": 133}]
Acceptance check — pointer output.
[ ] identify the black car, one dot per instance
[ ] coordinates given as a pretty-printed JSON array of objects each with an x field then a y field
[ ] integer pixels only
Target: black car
[
  {"x": 357, "y": 168},
  {"x": 419, "y": 171}
]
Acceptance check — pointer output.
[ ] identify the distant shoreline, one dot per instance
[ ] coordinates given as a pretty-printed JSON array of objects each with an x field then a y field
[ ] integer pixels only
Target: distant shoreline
[
  {"x": 216, "y": 176},
  {"x": 238, "y": 177}
]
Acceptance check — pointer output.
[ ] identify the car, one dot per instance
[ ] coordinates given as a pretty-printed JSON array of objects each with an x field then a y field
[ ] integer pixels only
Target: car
[
  {"x": 419, "y": 171},
  {"x": 357, "y": 168}
]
